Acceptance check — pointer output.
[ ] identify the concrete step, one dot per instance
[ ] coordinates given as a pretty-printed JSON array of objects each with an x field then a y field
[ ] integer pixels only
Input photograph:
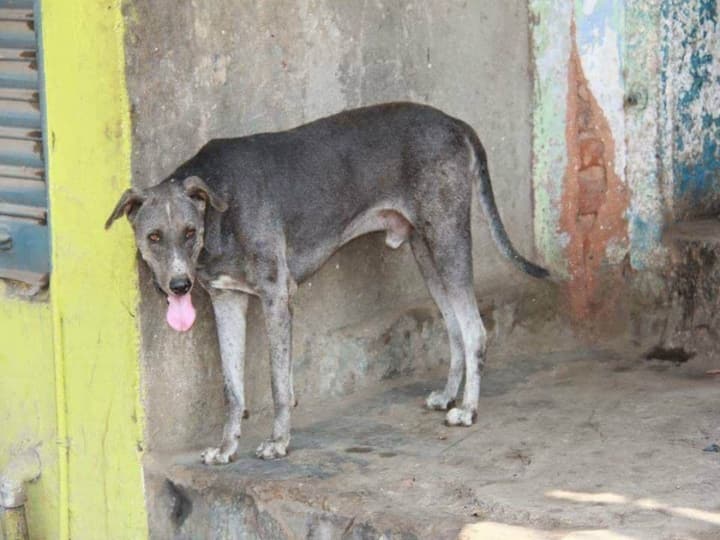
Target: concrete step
[
  {"x": 692, "y": 324},
  {"x": 554, "y": 431},
  {"x": 356, "y": 470},
  {"x": 704, "y": 230}
]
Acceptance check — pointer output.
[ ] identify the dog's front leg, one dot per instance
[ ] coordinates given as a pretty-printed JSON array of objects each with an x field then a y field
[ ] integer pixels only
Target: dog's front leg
[
  {"x": 230, "y": 309},
  {"x": 278, "y": 319}
]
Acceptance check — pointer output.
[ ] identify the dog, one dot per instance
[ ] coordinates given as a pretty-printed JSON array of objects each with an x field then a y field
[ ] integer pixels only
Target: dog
[{"x": 257, "y": 215}]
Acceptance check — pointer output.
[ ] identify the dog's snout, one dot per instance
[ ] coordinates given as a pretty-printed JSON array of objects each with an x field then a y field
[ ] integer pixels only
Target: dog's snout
[{"x": 180, "y": 285}]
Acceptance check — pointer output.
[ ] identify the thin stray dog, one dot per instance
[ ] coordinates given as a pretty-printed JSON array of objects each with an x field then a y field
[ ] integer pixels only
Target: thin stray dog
[{"x": 257, "y": 215}]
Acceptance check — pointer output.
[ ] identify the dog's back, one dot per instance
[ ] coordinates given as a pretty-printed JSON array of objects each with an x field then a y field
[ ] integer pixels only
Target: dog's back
[{"x": 318, "y": 177}]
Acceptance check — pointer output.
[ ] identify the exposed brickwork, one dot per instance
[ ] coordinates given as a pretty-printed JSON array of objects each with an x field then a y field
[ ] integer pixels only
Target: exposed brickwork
[{"x": 593, "y": 205}]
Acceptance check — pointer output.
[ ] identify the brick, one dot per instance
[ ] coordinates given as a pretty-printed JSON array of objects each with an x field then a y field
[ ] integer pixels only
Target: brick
[
  {"x": 592, "y": 184},
  {"x": 592, "y": 151}
]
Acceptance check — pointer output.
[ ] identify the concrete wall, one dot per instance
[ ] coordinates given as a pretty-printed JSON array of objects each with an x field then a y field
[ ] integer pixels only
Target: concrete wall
[{"x": 198, "y": 70}]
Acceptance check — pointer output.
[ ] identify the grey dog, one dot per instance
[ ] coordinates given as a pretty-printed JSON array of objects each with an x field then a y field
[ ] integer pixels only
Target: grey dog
[{"x": 257, "y": 215}]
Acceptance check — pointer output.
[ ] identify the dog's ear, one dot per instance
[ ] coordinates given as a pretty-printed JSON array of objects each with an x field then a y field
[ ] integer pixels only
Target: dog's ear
[
  {"x": 126, "y": 206},
  {"x": 195, "y": 188}
]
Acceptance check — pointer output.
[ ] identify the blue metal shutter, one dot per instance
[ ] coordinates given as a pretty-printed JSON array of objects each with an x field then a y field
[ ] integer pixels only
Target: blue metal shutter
[{"x": 24, "y": 238}]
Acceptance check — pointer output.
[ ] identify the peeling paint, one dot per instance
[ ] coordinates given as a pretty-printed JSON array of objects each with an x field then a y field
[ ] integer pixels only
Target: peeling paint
[
  {"x": 594, "y": 201},
  {"x": 643, "y": 131},
  {"x": 598, "y": 39},
  {"x": 580, "y": 147},
  {"x": 619, "y": 52},
  {"x": 690, "y": 78},
  {"x": 551, "y": 46}
]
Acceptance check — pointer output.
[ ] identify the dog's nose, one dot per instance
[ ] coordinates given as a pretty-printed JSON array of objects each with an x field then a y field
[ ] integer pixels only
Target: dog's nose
[{"x": 180, "y": 285}]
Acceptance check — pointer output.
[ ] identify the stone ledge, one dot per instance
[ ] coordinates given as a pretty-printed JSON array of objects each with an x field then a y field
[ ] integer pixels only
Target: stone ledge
[
  {"x": 554, "y": 430},
  {"x": 705, "y": 230},
  {"x": 693, "y": 323}
]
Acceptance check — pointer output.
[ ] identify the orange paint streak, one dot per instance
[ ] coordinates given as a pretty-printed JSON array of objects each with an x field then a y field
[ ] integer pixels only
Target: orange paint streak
[{"x": 594, "y": 202}]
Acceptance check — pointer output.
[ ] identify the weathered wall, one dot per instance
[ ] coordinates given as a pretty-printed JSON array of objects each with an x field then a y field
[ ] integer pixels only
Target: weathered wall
[
  {"x": 202, "y": 70},
  {"x": 625, "y": 143},
  {"x": 599, "y": 185},
  {"x": 690, "y": 57}
]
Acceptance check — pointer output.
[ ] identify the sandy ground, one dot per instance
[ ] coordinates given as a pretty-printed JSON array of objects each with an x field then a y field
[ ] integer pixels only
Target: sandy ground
[{"x": 578, "y": 445}]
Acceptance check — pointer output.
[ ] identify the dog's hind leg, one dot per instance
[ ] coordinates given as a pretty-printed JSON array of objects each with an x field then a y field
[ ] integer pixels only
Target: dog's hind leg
[
  {"x": 449, "y": 247},
  {"x": 441, "y": 400},
  {"x": 475, "y": 340},
  {"x": 230, "y": 309}
]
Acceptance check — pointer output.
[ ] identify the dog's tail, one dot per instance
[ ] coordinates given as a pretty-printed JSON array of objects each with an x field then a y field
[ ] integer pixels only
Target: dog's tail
[{"x": 487, "y": 201}]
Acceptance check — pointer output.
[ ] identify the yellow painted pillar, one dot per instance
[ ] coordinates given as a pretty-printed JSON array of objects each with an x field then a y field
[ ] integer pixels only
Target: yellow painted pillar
[{"x": 93, "y": 284}]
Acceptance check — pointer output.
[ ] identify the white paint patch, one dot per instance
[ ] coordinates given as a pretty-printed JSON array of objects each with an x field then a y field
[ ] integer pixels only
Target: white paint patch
[
  {"x": 589, "y": 6},
  {"x": 602, "y": 65},
  {"x": 616, "y": 250}
]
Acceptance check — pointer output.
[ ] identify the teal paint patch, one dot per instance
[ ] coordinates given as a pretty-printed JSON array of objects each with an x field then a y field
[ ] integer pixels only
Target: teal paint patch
[
  {"x": 700, "y": 178},
  {"x": 647, "y": 235},
  {"x": 708, "y": 10},
  {"x": 24, "y": 257},
  {"x": 27, "y": 193},
  {"x": 691, "y": 71}
]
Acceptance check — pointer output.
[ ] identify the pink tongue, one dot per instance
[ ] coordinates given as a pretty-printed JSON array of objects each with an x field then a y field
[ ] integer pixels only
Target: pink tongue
[{"x": 180, "y": 313}]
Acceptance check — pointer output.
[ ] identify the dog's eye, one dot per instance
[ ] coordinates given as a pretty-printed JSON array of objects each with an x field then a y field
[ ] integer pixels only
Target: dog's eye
[
  {"x": 154, "y": 237},
  {"x": 190, "y": 234}
]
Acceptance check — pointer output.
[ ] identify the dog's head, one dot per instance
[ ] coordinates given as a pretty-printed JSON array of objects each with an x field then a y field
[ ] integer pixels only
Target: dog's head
[{"x": 169, "y": 225}]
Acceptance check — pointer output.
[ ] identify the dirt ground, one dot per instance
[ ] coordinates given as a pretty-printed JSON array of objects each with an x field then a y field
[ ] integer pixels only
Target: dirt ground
[{"x": 578, "y": 445}]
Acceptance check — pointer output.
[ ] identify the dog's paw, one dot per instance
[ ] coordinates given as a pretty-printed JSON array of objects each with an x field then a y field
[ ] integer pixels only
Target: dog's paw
[
  {"x": 439, "y": 401},
  {"x": 460, "y": 416},
  {"x": 271, "y": 449},
  {"x": 217, "y": 456}
]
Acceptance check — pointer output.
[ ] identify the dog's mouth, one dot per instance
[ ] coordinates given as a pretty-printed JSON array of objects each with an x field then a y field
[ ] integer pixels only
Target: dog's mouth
[{"x": 180, "y": 312}]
